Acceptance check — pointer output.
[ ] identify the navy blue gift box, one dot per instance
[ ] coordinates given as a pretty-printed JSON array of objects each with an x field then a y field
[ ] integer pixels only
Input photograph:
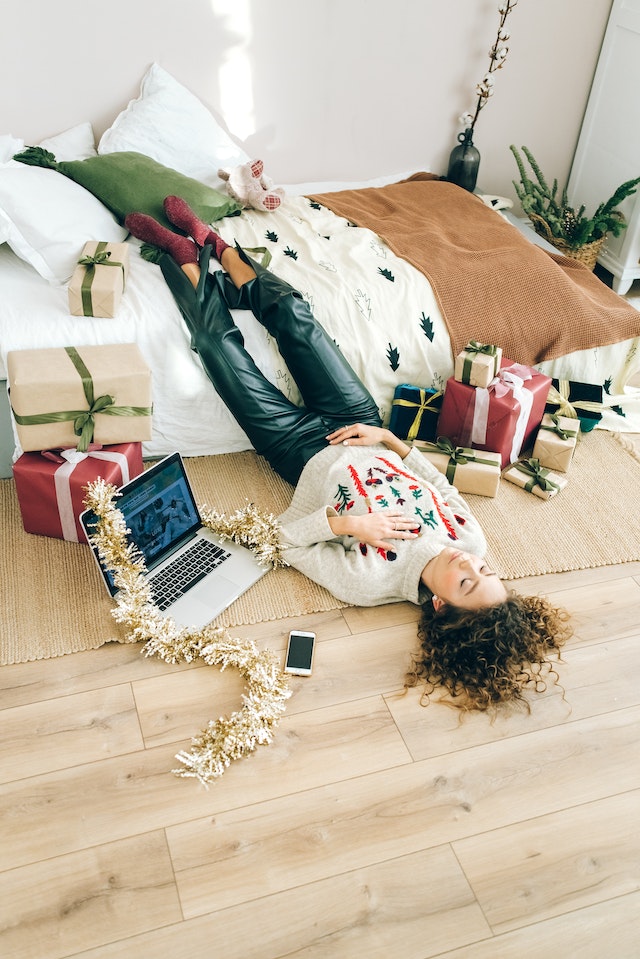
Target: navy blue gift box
[
  {"x": 415, "y": 412},
  {"x": 571, "y": 398}
]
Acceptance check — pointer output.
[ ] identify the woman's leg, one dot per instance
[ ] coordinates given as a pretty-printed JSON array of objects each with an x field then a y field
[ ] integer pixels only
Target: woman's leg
[
  {"x": 328, "y": 384},
  {"x": 285, "y": 434}
]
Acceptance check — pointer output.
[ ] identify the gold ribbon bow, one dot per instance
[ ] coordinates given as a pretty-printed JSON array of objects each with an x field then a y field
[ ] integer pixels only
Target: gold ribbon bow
[
  {"x": 426, "y": 405},
  {"x": 560, "y": 397}
]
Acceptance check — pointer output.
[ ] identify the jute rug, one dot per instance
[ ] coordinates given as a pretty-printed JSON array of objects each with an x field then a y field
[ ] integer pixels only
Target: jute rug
[{"x": 52, "y": 600}]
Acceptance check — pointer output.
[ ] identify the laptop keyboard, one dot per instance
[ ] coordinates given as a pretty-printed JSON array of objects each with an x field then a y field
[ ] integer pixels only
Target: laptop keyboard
[{"x": 185, "y": 571}]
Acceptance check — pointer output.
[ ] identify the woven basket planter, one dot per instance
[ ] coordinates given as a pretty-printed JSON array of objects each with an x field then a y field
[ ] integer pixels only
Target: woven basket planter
[{"x": 587, "y": 254}]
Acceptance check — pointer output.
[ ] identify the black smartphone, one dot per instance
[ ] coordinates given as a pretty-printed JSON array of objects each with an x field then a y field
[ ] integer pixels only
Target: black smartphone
[{"x": 300, "y": 649}]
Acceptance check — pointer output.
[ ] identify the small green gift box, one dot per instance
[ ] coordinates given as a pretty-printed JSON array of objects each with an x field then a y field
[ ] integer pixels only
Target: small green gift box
[
  {"x": 534, "y": 478},
  {"x": 470, "y": 471},
  {"x": 98, "y": 281},
  {"x": 477, "y": 364}
]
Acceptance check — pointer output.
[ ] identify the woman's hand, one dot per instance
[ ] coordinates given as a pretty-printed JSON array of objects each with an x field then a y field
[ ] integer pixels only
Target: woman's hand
[
  {"x": 363, "y": 434},
  {"x": 376, "y": 529}
]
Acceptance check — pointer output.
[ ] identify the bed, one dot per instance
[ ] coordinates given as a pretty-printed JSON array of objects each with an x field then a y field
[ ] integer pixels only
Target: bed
[{"x": 384, "y": 311}]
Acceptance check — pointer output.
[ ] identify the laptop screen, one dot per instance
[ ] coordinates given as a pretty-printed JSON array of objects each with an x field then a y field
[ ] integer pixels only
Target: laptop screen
[{"x": 159, "y": 510}]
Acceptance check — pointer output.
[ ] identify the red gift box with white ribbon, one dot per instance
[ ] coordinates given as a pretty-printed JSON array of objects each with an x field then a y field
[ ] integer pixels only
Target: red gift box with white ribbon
[
  {"x": 51, "y": 485},
  {"x": 502, "y": 417}
]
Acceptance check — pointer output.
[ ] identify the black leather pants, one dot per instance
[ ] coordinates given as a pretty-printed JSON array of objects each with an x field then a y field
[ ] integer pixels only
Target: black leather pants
[{"x": 333, "y": 396}]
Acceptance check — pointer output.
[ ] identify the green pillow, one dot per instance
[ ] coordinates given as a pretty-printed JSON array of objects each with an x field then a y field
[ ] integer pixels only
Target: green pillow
[{"x": 131, "y": 182}]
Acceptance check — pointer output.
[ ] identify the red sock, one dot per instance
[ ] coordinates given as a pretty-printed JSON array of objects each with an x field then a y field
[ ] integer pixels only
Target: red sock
[
  {"x": 144, "y": 227},
  {"x": 181, "y": 215},
  {"x": 218, "y": 244}
]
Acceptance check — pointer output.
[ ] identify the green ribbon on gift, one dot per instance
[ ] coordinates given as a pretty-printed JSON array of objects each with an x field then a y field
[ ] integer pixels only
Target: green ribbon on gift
[
  {"x": 562, "y": 431},
  {"x": 473, "y": 348},
  {"x": 539, "y": 475},
  {"x": 426, "y": 405},
  {"x": 266, "y": 254},
  {"x": 83, "y": 420},
  {"x": 458, "y": 455},
  {"x": 102, "y": 257}
]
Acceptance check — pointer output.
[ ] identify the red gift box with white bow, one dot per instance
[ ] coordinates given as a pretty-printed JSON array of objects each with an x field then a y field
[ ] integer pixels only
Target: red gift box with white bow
[
  {"x": 502, "y": 417},
  {"x": 51, "y": 485}
]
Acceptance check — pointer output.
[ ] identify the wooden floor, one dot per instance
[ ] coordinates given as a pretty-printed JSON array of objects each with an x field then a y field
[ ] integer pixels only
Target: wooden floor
[{"x": 371, "y": 827}]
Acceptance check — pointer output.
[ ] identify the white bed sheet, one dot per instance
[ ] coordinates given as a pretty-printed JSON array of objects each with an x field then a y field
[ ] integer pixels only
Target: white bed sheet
[{"x": 367, "y": 320}]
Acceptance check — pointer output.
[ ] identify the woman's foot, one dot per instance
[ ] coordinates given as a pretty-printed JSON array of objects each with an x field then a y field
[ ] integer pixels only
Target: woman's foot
[
  {"x": 181, "y": 215},
  {"x": 144, "y": 227}
]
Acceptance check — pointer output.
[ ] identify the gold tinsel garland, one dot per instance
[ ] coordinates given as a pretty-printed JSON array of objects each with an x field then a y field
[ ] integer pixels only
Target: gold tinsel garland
[{"x": 224, "y": 739}]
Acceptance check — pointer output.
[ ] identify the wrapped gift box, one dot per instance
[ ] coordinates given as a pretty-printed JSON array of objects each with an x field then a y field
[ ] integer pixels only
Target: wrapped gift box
[
  {"x": 477, "y": 364},
  {"x": 536, "y": 479},
  {"x": 576, "y": 400},
  {"x": 415, "y": 411},
  {"x": 470, "y": 471},
  {"x": 98, "y": 281},
  {"x": 502, "y": 417},
  {"x": 72, "y": 396},
  {"x": 51, "y": 485},
  {"x": 556, "y": 441}
]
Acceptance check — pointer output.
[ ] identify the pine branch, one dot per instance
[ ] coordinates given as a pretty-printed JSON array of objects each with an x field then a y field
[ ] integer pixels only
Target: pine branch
[{"x": 563, "y": 221}]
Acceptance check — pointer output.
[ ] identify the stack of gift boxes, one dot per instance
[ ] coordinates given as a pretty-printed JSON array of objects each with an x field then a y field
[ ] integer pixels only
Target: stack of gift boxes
[
  {"x": 491, "y": 413},
  {"x": 80, "y": 413}
]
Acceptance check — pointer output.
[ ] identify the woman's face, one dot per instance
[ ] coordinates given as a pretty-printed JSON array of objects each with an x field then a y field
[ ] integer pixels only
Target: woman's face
[{"x": 462, "y": 579}]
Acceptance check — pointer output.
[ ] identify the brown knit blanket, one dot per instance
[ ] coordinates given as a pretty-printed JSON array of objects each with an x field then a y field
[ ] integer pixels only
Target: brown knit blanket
[{"x": 491, "y": 283}]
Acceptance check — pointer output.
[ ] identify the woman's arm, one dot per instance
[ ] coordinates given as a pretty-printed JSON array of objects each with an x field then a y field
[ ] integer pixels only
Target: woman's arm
[
  {"x": 361, "y": 434},
  {"x": 378, "y": 529}
]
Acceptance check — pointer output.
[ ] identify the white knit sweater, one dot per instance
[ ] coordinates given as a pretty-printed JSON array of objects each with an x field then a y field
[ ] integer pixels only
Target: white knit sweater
[{"x": 360, "y": 479}]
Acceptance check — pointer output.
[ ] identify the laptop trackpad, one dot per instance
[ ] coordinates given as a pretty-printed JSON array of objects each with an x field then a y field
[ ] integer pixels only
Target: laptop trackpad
[
  {"x": 216, "y": 590},
  {"x": 204, "y": 602}
]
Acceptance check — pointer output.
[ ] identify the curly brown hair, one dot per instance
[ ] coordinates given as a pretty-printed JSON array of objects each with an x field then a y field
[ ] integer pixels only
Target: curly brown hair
[{"x": 487, "y": 657}]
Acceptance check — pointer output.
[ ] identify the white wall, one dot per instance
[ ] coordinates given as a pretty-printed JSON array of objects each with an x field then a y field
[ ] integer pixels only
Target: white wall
[{"x": 331, "y": 89}]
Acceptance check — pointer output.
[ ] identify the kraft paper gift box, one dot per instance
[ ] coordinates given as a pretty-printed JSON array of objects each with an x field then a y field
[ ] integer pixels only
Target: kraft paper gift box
[
  {"x": 477, "y": 364},
  {"x": 51, "y": 485},
  {"x": 577, "y": 400},
  {"x": 414, "y": 412},
  {"x": 470, "y": 471},
  {"x": 72, "y": 396},
  {"x": 98, "y": 281},
  {"x": 502, "y": 417},
  {"x": 556, "y": 441},
  {"x": 536, "y": 479}
]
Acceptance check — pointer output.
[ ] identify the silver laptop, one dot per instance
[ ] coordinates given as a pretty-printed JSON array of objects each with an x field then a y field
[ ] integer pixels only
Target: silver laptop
[{"x": 193, "y": 575}]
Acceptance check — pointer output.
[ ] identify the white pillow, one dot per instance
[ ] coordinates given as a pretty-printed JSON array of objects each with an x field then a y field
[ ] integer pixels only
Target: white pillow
[
  {"x": 8, "y": 146},
  {"x": 171, "y": 125},
  {"x": 78, "y": 143},
  {"x": 45, "y": 217}
]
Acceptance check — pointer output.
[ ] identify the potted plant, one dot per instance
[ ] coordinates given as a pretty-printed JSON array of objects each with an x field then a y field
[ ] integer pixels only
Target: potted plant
[{"x": 571, "y": 231}]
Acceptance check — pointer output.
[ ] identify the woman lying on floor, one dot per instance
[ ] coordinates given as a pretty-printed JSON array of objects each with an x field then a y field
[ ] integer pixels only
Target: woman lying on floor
[{"x": 370, "y": 519}]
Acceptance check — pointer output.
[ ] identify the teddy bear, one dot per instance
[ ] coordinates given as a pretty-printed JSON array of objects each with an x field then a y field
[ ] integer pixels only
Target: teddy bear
[{"x": 248, "y": 185}]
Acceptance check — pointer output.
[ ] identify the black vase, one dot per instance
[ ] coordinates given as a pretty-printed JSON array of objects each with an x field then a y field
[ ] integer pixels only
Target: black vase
[{"x": 464, "y": 162}]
